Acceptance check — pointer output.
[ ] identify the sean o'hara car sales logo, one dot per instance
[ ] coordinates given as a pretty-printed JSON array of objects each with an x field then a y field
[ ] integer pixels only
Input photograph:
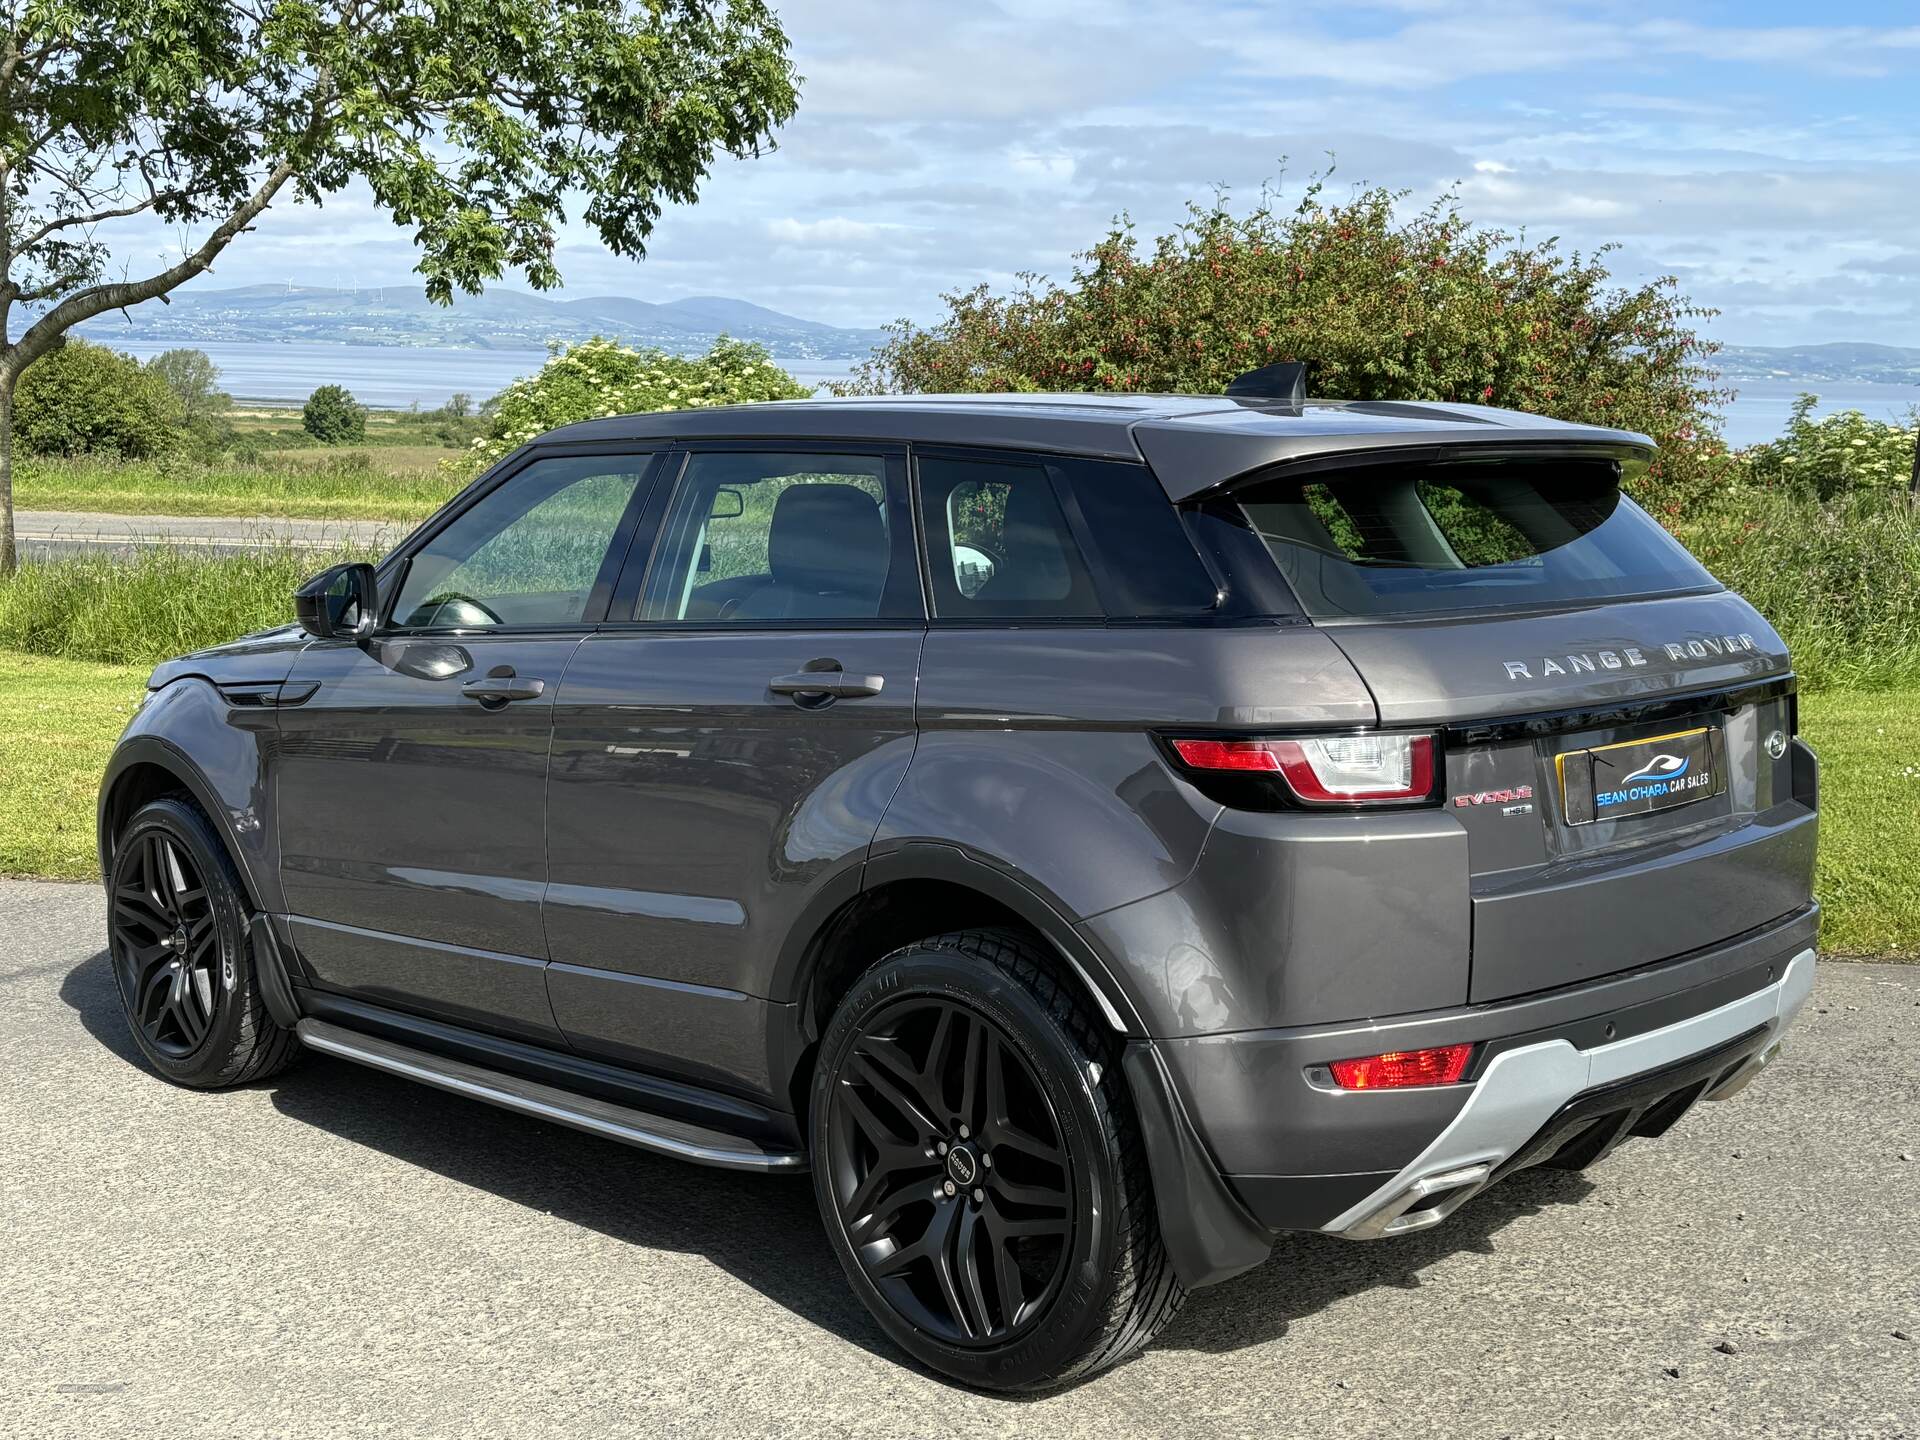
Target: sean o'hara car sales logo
[{"x": 1629, "y": 657}]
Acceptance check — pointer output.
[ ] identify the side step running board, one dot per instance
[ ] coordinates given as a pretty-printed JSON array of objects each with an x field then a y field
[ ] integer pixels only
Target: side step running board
[{"x": 583, "y": 1112}]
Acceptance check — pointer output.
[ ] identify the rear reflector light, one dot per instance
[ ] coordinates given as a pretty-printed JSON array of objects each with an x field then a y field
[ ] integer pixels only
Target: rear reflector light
[
  {"x": 1399, "y": 1069},
  {"x": 1329, "y": 769}
]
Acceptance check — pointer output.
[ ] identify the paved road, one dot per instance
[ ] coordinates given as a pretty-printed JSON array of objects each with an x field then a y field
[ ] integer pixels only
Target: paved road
[
  {"x": 340, "y": 1252},
  {"x": 45, "y": 534}
]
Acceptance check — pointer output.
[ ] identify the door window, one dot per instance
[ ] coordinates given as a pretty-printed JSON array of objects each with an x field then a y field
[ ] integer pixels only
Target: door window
[
  {"x": 756, "y": 536},
  {"x": 527, "y": 553},
  {"x": 1000, "y": 543}
]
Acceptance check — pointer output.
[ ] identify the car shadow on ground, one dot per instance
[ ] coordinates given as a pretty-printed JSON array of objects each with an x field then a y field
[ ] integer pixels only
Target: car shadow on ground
[{"x": 764, "y": 1230}]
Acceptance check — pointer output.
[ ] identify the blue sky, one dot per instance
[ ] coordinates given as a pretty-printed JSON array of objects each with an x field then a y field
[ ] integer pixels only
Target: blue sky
[{"x": 1766, "y": 153}]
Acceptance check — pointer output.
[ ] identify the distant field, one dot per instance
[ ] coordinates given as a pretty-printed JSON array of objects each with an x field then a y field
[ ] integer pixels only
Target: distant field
[{"x": 401, "y": 482}]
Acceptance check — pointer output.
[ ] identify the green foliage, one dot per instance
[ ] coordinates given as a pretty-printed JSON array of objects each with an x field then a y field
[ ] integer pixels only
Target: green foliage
[
  {"x": 1839, "y": 578},
  {"x": 162, "y": 601},
  {"x": 84, "y": 399},
  {"x": 333, "y": 417},
  {"x": 601, "y": 377},
  {"x": 194, "y": 380},
  {"x": 1869, "y": 819},
  {"x": 1837, "y": 455},
  {"x": 1426, "y": 307}
]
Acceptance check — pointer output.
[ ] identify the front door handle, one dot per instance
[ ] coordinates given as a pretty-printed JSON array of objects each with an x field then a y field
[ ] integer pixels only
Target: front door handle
[
  {"x": 835, "y": 683},
  {"x": 497, "y": 690}
]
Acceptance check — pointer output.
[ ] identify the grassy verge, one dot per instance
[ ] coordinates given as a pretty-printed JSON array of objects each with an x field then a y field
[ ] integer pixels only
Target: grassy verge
[
  {"x": 58, "y": 721},
  {"x": 114, "y": 610},
  {"x": 1869, "y": 747},
  {"x": 396, "y": 483}
]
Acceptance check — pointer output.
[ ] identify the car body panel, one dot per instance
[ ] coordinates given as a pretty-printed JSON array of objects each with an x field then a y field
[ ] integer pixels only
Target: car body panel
[
  {"x": 694, "y": 815},
  {"x": 411, "y": 813}
]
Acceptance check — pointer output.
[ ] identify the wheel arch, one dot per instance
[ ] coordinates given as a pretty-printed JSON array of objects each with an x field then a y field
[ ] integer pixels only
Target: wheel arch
[
  {"x": 907, "y": 894},
  {"x": 146, "y": 767}
]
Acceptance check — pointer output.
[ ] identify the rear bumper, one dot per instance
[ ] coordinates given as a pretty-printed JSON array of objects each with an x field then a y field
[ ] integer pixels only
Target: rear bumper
[
  {"x": 1558, "y": 1076},
  {"x": 1542, "y": 1100}
]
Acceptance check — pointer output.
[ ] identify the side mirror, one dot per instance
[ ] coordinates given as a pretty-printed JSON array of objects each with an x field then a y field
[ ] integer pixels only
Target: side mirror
[
  {"x": 342, "y": 602},
  {"x": 728, "y": 504}
]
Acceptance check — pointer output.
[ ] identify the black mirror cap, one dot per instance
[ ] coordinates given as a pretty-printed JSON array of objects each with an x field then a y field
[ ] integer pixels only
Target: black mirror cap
[{"x": 341, "y": 602}]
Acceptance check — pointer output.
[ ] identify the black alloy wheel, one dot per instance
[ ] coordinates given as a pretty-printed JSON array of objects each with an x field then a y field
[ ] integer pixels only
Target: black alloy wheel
[
  {"x": 980, "y": 1169},
  {"x": 181, "y": 955},
  {"x": 949, "y": 1172},
  {"x": 166, "y": 945}
]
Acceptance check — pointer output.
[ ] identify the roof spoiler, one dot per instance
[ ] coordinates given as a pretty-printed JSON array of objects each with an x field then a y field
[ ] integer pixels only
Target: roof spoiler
[{"x": 1284, "y": 383}]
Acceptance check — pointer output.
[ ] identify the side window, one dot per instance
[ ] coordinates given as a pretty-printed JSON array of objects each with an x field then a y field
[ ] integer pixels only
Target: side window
[
  {"x": 527, "y": 553},
  {"x": 1147, "y": 558},
  {"x": 999, "y": 544},
  {"x": 758, "y": 536}
]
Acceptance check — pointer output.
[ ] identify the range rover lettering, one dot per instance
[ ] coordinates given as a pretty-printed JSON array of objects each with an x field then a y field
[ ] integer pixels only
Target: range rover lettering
[{"x": 1093, "y": 835}]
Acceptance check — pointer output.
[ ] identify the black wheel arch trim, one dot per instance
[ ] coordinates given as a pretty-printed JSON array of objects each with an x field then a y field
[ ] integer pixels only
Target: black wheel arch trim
[
  {"x": 270, "y": 968},
  {"x": 932, "y": 860},
  {"x": 1208, "y": 1233},
  {"x": 261, "y": 890}
]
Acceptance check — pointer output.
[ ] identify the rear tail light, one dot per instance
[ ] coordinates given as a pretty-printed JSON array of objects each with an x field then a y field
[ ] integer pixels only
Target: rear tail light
[
  {"x": 1363, "y": 769},
  {"x": 1400, "y": 1069}
]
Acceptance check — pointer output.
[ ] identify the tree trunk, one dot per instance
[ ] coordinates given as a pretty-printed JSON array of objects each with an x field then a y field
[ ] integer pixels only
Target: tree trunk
[{"x": 8, "y": 559}]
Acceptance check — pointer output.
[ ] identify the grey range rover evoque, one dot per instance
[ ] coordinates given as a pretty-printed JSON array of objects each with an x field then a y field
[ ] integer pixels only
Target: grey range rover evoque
[{"x": 1094, "y": 834}]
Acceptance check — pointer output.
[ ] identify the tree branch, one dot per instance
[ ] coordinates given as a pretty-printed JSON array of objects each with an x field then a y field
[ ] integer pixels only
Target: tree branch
[
  {"x": 96, "y": 217},
  {"x": 98, "y": 299}
]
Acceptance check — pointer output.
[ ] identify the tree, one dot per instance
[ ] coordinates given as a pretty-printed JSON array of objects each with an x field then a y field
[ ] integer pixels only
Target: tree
[
  {"x": 471, "y": 122},
  {"x": 334, "y": 417},
  {"x": 85, "y": 399},
  {"x": 601, "y": 377},
  {"x": 1381, "y": 306},
  {"x": 194, "y": 380}
]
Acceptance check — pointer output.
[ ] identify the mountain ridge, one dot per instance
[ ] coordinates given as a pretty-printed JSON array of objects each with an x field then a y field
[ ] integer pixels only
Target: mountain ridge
[{"x": 401, "y": 315}]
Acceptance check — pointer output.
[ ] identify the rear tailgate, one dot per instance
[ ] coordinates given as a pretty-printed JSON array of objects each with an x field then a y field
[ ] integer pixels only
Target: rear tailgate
[{"x": 1613, "y": 768}]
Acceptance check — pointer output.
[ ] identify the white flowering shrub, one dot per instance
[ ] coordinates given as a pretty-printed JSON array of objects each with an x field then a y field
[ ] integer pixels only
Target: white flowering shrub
[
  {"x": 602, "y": 377},
  {"x": 1837, "y": 455}
]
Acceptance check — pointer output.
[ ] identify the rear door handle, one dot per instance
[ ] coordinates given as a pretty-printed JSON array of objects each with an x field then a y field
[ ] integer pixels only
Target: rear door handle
[
  {"x": 499, "y": 689},
  {"x": 836, "y": 683}
]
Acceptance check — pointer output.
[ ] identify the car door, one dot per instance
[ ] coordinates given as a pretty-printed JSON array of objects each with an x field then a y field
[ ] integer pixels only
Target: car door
[
  {"x": 722, "y": 755},
  {"x": 411, "y": 784}
]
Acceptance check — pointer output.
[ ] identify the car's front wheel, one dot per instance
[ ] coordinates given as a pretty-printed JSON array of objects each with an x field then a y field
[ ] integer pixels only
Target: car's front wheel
[
  {"x": 979, "y": 1166},
  {"x": 177, "y": 936}
]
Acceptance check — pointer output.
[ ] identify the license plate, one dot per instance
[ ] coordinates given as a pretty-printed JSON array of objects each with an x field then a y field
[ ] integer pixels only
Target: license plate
[{"x": 1612, "y": 782}]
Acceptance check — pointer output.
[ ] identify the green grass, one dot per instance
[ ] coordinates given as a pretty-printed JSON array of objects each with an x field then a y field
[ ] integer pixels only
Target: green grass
[
  {"x": 58, "y": 722},
  {"x": 111, "y": 609},
  {"x": 1869, "y": 747},
  {"x": 59, "y": 719},
  {"x": 396, "y": 483}
]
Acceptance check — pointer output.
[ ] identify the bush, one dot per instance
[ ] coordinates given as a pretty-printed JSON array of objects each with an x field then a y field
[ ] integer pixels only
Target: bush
[
  {"x": 601, "y": 377},
  {"x": 334, "y": 417},
  {"x": 159, "y": 602},
  {"x": 1839, "y": 579},
  {"x": 83, "y": 399},
  {"x": 1381, "y": 307},
  {"x": 1837, "y": 455}
]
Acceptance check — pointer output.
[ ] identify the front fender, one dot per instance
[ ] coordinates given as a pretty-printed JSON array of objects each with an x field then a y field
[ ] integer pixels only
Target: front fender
[{"x": 218, "y": 753}]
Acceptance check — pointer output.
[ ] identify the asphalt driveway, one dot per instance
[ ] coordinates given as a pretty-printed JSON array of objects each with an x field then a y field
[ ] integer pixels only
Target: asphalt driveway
[{"x": 342, "y": 1252}]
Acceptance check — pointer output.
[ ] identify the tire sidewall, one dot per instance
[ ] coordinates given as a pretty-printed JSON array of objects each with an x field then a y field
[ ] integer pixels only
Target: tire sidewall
[
  {"x": 187, "y": 828},
  {"x": 1078, "y": 1304}
]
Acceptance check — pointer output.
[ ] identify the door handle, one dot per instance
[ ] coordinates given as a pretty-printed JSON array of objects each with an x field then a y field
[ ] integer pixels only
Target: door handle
[
  {"x": 497, "y": 690},
  {"x": 835, "y": 683}
]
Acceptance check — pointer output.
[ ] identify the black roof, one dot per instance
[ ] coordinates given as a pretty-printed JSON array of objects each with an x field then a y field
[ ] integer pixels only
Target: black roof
[{"x": 1193, "y": 442}]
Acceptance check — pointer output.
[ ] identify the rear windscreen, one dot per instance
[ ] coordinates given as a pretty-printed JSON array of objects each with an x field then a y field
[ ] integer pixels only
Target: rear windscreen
[{"x": 1471, "y": 535}]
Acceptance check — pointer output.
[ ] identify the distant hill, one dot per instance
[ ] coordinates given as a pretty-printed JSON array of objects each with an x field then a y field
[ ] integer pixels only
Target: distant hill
[
  {"x": 498, "y": 319},
  {"x": 1884, "y": 364}
]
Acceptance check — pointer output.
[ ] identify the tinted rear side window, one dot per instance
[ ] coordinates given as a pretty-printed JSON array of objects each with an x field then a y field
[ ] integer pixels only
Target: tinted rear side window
[
  {"x": 999, "y": 544},
  {"x": 1149, "y": 568},
  {"x": 1480, "y": 535}
]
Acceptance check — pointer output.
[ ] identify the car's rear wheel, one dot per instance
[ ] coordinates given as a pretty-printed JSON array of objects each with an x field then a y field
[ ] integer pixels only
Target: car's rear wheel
[
  {"x": 979, "y": 1167},
  {"x": 177, "y": 937}
]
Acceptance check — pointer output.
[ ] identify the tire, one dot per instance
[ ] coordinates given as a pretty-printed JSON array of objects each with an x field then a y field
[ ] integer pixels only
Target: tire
[
  {"x": 177, "y": 943},
  {"x": 979, "y": 1167}
]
